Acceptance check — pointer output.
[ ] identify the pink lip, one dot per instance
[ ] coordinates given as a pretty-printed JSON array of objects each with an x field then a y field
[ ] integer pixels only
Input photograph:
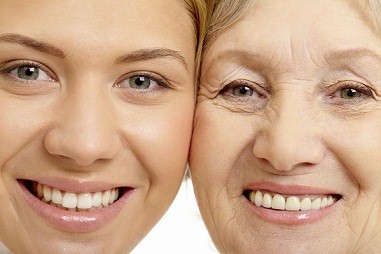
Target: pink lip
[
  {"x": 78, "y": 222},
  {"x": 291, "y": 217}
]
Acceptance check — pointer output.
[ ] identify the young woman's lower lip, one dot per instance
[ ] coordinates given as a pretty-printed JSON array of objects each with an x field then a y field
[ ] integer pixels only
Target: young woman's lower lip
[
  {"x": 291, "y": 217},
  {"x": 78, "y": 222}
]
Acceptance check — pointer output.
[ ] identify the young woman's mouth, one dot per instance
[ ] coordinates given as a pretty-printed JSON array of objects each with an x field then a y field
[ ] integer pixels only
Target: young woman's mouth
[
  {"x": 80, "y": 208},
  {"x": 85, "y": 201}
]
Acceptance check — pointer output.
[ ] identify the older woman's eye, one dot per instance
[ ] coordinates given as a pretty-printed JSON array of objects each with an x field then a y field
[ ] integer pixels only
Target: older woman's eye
[
  {"x": 243, "y": 91},
  {"x": 30, "y": 73},
  {"x": 352, "y": 91}
]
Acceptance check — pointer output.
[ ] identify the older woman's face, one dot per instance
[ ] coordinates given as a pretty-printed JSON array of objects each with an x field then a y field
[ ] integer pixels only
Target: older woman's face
[
  {"x": 286, "y": 152},
  {"x": 96, "y": 110}
]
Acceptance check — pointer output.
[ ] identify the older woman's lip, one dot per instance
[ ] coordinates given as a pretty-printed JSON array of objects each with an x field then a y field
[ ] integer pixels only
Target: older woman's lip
[{"x": 72, "y": 221}]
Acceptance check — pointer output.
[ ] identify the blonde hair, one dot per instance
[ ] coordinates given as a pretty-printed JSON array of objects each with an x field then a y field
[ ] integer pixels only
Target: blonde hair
[
  {"x": 200, "y": 12},
  {"x": 227, "y": 12}
]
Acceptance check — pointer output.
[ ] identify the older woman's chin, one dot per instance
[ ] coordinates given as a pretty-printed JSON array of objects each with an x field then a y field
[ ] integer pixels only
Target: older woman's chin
[{"x": 242, "y": 225}]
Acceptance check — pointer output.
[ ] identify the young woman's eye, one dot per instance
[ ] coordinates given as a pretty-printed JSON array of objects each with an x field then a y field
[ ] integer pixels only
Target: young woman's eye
[
  {"x": 242, "y": 91},
  {"x": 30, "y": 73},
  {"x": 141, "y": 82}
]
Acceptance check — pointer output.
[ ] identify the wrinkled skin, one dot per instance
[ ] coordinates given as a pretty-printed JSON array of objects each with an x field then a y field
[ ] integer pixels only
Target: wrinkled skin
[{"x": 291, "y": 95}]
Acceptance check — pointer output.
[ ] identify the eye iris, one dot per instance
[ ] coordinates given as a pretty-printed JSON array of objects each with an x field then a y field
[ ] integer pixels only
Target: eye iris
[
  {"x": 349, "y": 93},
  {"x": 243, "y": 91},
  {"x": 140, "y": 82},
  {"x": 28, "y": 72}
]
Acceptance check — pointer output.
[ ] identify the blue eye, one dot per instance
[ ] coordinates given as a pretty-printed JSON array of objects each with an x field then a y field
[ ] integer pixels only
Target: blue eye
[
  {"x": 30, "y": 72},
  {"x": 242, "y": 91}
]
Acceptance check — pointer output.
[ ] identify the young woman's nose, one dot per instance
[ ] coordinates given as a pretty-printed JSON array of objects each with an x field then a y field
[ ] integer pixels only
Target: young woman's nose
[
  {"x": 84, "y": 129},
  {"x": 291, "y": 137}
]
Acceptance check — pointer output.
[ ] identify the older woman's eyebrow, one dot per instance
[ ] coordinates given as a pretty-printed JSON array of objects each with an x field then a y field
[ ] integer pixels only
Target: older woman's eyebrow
[
  {"x": 32, "y": 43},
  {"x": 152, "y": 53},
  {"x": 260, "y": 59},
  {"x": 351, "y": 54}
]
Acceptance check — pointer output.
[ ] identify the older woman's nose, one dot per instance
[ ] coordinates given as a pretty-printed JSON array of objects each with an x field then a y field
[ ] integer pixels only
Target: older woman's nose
[
  {"x": 85, "y": 130},
  {"x": 290, "y": 139}
]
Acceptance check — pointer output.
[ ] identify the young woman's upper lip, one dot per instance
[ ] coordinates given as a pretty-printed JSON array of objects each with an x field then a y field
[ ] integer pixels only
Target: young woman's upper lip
[
  {"x": 289, "y": 189},
  {"x": 69, "y": 185}
]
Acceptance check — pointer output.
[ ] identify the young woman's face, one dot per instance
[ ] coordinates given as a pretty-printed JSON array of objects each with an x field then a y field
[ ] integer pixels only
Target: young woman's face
[
  {"x": 96, "y": 109},
  {"x": 286, "y": 152}
]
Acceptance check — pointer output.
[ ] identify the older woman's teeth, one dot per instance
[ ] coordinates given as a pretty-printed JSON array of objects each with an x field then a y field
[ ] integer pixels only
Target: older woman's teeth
[
  {"x": 76, "y": 201},
  {"x": 290, "y": 203}
]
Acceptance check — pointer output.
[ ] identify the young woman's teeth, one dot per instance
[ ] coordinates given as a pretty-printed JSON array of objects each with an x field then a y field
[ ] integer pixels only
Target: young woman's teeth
[
  {"x": 76, "y": 201},
  {"x": 290, "y": 203}
]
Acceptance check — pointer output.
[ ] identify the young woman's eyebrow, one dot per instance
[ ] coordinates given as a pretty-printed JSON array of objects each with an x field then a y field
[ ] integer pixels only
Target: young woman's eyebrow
[
  {"x": 152, "y": 53},
  {"x": 32, "y": 43},
  {"x": 135, "y": 56}
]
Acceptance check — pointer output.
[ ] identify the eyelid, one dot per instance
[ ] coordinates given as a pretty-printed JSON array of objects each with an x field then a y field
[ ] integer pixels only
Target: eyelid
[
  {"x": 8, "y": 66},
  {"x": 151, "y": 75}
]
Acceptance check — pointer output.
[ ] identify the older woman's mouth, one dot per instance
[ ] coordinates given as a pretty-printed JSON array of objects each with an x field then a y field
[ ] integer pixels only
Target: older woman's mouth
[{"x": 277, "y": 201}]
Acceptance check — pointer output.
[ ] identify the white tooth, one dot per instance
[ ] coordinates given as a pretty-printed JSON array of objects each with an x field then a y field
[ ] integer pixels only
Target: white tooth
[
  {"x": 56, "y": 197},
  {"x": 324, "y": 202},
  {"x": 112, "y": 197},
  {"x": 266, "y": 201},
  {"x": 252, "y": 196},
  {"x": 258, "y": 198},
  {"x": 69, "y": 200},
  {"x": 293, "y": 204},
  {"x": 84, "y": 201},
  {"x": 106, "y": 197},
  {"x": 40, "y": 192},
  {"x": 278, "y": 202},
  {"x": 305, "y": 205},
  {"x": 116, "y": 193},
  {"x": 97, "y": 199},
  {"x": 47, "y": 193},
  {"x": 330, "y": 200},
  {"x": 316, "y": 204}
]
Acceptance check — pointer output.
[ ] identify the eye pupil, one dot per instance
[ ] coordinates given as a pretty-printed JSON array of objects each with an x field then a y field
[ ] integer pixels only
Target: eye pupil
[
  {"x": 28, "y": 72},
  {"x": 140, "y": 82},
  {"x": 349, "y": 93}
]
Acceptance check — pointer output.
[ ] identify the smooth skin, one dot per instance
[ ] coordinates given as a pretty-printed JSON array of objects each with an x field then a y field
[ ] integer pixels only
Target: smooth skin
[
  {"x": 290, "y": 95},
  {"x": 86, "y": 117}
]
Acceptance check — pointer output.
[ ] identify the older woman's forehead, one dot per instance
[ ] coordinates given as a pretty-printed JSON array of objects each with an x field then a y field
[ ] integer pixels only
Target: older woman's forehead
[{"x": 267, "y": 36}]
